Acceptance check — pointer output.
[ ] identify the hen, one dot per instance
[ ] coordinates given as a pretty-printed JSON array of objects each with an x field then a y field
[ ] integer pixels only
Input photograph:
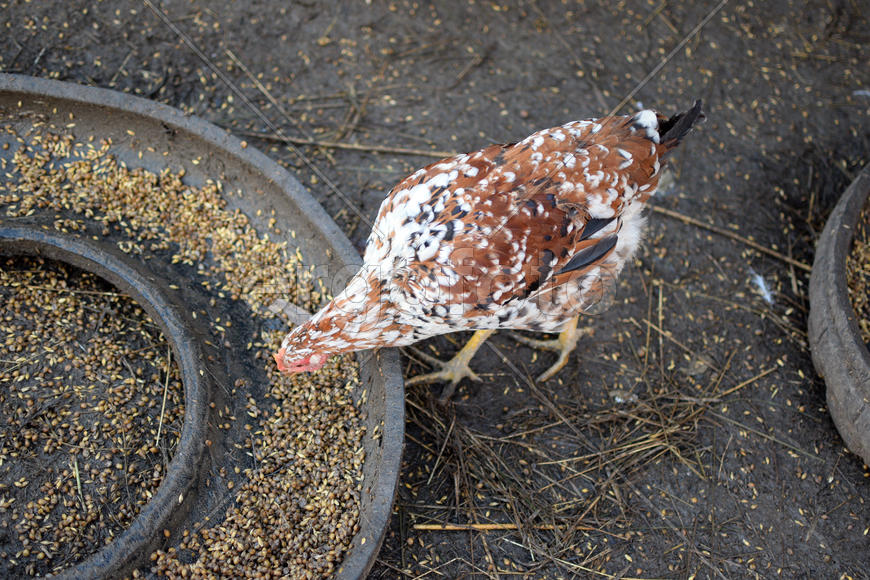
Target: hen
[{"x": 521, "y": 236}]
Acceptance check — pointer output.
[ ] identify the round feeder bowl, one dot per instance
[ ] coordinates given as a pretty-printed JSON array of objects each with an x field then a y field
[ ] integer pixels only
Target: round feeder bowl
[
  {"x": 152, "y": 136},
  {"x": 838, "y": 351},
  {"x": 164, "y": 507}
]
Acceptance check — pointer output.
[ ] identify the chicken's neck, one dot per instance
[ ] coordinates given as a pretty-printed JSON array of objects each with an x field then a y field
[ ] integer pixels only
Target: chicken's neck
[{"x": 360, "y": 318}]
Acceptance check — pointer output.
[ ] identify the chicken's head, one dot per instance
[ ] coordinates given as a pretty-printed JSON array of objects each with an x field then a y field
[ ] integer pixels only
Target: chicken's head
[
  {"x": 291, "y": 362},
  {"x": 356, "y": 319},
  {"x": 309, "y": 346}
]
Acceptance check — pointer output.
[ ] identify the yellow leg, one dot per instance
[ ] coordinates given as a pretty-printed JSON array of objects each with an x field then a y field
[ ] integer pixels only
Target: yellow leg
[
  {"x": 564, "y": 345},
  {"x": 453, "y": 370}
]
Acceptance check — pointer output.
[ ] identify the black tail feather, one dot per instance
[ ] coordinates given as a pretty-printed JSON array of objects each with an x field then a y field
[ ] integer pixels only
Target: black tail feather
[{"x": 674, "y": 129}]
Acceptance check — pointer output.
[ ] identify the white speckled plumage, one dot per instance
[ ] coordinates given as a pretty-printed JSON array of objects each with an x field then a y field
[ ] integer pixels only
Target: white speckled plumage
[{"x": 521, "y": 236}]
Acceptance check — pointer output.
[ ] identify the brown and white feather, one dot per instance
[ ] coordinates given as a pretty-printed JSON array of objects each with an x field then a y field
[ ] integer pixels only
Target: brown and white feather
[{"x": 524, "y": 236}]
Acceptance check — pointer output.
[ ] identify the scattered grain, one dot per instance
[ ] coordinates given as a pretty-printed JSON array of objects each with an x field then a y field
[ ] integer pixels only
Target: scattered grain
[{"x": 296, "y": 512}]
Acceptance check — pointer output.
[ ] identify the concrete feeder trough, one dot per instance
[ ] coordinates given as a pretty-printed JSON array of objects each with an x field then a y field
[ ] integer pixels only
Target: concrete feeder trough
[
  {"x": 149, "y": 135},
  {"x": 839, "y": 353}
]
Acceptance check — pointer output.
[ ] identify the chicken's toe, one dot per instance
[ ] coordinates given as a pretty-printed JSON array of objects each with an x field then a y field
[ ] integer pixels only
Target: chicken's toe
[
  {"x": 454, "y": 370},
  {"x": 451, "y": 372},
  {"x": 564, "y": 344}
]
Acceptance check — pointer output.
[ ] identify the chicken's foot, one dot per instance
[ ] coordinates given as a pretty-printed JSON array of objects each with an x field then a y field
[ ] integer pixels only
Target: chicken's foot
[
  {"x": 454, "y": 370},
  {"x": 564, "y": 344}
]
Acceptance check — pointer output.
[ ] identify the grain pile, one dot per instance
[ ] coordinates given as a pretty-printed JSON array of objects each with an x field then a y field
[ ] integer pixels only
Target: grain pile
[
  {"x": 86, "y": 431},
  {"x": 858, "y": 273},
  {"x": 298, "y": 507},
  {"x": 299, "y": 510}
]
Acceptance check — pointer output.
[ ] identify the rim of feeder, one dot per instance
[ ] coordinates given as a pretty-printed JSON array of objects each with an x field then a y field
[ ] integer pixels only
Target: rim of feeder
[
  {"x": 273, "y": 188},
  {"x": 839, "y": 354},
  {"x": 169, "y": 501}
]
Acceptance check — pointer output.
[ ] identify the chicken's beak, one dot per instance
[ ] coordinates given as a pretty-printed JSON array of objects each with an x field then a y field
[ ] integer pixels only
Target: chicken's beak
[{"x": 279, "y": 359}]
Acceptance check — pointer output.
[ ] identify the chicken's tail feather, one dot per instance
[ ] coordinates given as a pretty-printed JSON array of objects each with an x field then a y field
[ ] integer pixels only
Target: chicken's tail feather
[{"x": 673, "y": 130}]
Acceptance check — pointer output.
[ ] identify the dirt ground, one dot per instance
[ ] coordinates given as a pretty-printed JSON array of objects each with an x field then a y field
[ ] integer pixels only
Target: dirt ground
[{"x": 688, "y": 437}]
